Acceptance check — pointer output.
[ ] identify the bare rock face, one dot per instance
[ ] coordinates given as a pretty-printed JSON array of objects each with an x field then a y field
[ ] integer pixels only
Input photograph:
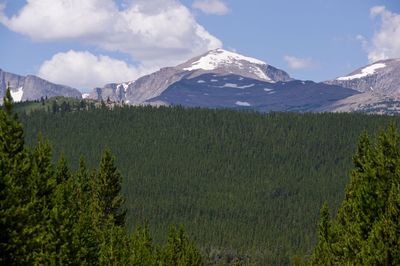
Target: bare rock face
[
  {"x": 382, "y": 76},
  {"x": 33, "y": 88},
  {"x": 379, "y": 84}
]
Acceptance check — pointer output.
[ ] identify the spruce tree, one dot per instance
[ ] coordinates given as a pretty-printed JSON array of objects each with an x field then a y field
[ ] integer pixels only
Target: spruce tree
[
  {"x": 108, "y": 189},
  {"x": 15, "y": 170},
  {"x": 179, "y": 250},
  {"x": 366, "y": 230}
]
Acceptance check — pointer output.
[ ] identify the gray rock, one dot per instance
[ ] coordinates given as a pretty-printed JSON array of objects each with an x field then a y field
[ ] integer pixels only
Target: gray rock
[
  {"x": 380, "y": 86},
  {"x": 383, "y": 79},
  {"x": 33, "y": 88}
]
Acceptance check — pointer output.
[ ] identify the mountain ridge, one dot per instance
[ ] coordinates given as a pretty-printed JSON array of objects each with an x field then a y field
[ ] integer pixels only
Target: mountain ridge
[{"x": 31, "y": 87}]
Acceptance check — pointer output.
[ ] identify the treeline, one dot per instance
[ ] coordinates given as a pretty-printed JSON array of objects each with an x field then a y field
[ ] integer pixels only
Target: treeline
[
  {"x": 50, "y": 215},
  {"x": 247, "y": 186},
  {"x": 57, "y": 104}
]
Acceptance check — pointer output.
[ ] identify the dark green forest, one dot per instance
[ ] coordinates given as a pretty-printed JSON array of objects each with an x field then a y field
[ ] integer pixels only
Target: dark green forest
[
  {"x": 246, "y": 186},
  {"x": 52, "y": 216}
]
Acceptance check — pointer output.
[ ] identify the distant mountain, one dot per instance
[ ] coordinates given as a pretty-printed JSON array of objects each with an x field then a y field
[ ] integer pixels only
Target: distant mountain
[
  {"x": 223, "y": 79},
  {"x": 33, "y": 88},
  {"x": 379, "y": 84}
]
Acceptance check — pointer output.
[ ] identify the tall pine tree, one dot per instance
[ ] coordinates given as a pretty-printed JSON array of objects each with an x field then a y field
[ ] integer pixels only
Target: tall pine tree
[
  {"x": 366, "y": 230},
  {"x": 15, "y": 170},
  {"x": 108, "y": 190}
]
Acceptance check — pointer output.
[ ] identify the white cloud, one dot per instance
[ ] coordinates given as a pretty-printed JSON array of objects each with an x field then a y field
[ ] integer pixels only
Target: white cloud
[
  {"x": 386, "y": 40},
  {"x": 298, "y": 63},
  {"x": 85, "y": 70},
  {"x": 214, "y": 7},
  {"x": 57, "y": 19},
  {"x": 155, "y": 33}
]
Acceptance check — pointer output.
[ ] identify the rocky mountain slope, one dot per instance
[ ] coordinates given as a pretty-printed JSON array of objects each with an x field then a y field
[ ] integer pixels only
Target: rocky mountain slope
[
  {"x": 33, "y": 88},
  {"x": 223, "y": 79},
  {"x": 379, "y": 84},
  {"x": 219, "y": 62}
]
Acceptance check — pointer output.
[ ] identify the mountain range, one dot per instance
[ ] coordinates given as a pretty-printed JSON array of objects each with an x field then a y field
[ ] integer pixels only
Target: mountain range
[
  {"x": 30, "y": 87},
  {"x": 224, "y": 79}
]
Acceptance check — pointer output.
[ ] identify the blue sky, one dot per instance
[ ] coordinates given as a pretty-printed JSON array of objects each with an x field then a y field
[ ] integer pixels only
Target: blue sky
[{"x": 86, "y": 43}]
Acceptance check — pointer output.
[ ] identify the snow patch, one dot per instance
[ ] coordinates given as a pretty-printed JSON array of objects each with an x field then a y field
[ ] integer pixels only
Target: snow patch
[
  {"x": 267, "y": 90},
  {"x": 214, "y": 80},
  {"x": 369, "y": 70},
  {"x": 242, "y": 103},
  {"x": 220, "y": 57},
  {"x": 17, "y": 95},
  {"x": 126, "y": 86},
  {"x": 201, "y": 81},
  {"x": 232, "y": 85},
  {"x": 85, "y": 95}
]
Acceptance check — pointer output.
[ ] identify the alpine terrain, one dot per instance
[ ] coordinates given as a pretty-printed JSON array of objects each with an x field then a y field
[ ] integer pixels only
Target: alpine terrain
[
  {"x": 33, "y": 88},
  {"x": 379, "y": 84},
  {"x": 223, "y": 79}
]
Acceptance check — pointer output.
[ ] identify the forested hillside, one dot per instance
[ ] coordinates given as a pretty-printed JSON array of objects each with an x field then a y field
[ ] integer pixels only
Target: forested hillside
[
  {"x": 245, "y": 185},
  {"x": 52, "y": 216}
]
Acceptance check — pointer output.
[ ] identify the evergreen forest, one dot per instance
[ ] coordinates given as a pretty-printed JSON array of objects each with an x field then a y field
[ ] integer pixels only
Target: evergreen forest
[
  {"x": 50, "y": 215},
  {"x": 246, "y": 186}
]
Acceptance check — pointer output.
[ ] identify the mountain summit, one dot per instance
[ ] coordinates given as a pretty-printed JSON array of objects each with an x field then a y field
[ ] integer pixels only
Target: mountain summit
[
  {"x": 379, "y": 84},
  {"x": 382, "y": 76},
  {"x": 219, "y": 62},
  {"x": 223, "y": 62}
]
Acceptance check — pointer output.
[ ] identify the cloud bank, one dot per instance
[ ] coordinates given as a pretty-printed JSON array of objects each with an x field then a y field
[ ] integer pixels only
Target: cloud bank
[
  {"x": 385, "y": 42},
  {"x": 87, "y": 70},
  {"x": 212, "y": 7},
  {"x": 155, "y": 33}
]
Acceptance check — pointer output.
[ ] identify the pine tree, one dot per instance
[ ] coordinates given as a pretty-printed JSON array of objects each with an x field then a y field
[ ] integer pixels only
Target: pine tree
[
  {"x": 43, "y": 183},
  {"x": 179, "y": 250},
  {"x": 85, "y": 232},
  {"x": 15, "y": 169},
  {"x": 143, "y": 251},
  {"x": 366, "y": 230},
  {"x": 322, "y": 253},
  {"x": 63, "y": 216},
  {"x": 108, "y": 189}
]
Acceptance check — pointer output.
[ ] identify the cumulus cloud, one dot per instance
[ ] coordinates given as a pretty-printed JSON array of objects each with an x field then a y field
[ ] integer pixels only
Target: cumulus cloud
[
  {"x": 213, "y": 7},
  {"x": 155, "y": 33},
  {"x": 385, "y": 42},
  {"x": 85, "y": 70},
  {"x": 298, "y": 63}
]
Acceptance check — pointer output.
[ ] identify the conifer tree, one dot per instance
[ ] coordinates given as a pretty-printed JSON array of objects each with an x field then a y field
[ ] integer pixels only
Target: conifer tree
[
  {"x": 366, "y": 230},
  {"x": 43, "y": 183},
  {"x": 108, "y": 189},
  {"x": 143, "y": 251},
  {"x": 15, "y": 169},
  {"x": 179, "y": 250}
]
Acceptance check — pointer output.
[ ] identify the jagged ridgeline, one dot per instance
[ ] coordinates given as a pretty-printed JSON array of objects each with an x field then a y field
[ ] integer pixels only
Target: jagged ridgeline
[{"x": 246, "y": 186}]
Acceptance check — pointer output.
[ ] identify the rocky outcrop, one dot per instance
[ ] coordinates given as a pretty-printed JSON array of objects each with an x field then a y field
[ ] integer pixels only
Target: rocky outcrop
[{"x": 33, "y": 88}]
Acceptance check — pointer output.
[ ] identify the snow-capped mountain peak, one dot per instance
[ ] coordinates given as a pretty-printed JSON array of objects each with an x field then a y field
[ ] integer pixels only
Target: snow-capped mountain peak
[
  {"x": 220, "y": 58},
  {"x": 223, "y": 65}
]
